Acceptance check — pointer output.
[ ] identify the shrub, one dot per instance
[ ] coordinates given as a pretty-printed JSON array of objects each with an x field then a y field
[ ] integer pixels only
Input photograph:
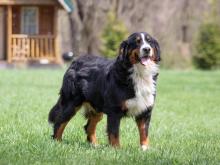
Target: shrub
[
  {"x": 208, "y": 47},
  {"x": 113, "y": 34}
]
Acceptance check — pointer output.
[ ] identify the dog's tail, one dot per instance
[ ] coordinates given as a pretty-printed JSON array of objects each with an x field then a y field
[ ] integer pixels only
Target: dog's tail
[
  {"x": 55, "y": 113},
  {"x": 62, "y": 110}
]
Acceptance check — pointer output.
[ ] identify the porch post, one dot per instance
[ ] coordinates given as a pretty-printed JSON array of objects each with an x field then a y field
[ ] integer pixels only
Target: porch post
[
  {"x": 9, "y": 33},
  {"x": 56, "y": 34}
]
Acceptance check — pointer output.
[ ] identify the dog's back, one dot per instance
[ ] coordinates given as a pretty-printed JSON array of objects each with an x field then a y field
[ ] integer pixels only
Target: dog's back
[{"x": 82, "y": 82}]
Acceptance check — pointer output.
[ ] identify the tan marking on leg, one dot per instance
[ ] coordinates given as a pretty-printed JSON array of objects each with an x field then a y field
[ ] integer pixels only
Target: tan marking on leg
[
  {"x": 114, "y": 140},
  {"x": 91, "y": 129},
  {"x": 144, "y": 140},
  {"x": 59, "y": 131}
]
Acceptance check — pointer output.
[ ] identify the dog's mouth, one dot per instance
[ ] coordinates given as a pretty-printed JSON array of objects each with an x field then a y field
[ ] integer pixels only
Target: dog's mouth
[{"x": 144, "y": 60}]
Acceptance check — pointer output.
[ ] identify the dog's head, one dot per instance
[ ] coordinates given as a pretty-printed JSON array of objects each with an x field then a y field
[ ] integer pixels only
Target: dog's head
[{"x": 140, "y": 48}]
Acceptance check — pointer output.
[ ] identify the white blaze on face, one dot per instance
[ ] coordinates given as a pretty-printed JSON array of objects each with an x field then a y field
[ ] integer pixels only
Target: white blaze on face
[{"x": 145, "y": 45}]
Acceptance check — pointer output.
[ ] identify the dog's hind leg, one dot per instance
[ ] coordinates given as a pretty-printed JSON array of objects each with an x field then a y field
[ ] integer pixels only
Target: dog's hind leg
[
  {"x": 58, "y": 130},
  {"x": 61, "y": 113},
  {"x": 90, "y": 127}
]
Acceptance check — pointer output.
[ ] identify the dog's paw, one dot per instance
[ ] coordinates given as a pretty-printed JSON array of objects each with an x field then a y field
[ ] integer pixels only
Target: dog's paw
[
  {"x": 145, "y": 147},
  {"x": 95, "y": 145}
]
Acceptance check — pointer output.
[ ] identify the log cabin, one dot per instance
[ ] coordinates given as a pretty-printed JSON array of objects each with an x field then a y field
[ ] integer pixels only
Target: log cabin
[{"x": 29, "y": 29}]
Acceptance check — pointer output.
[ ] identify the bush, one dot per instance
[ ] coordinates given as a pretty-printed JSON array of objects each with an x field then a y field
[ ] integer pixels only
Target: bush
[
  {"x": 113, "y": 34},
  {"x": 208, "y": 47}
]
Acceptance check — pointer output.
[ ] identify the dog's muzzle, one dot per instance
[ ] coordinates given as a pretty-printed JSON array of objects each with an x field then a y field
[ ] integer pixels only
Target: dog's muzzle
[{"x": 145, "y": 56}]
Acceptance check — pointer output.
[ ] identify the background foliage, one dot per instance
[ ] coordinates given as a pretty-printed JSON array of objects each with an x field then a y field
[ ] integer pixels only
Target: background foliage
[
  {"x": 175, "y": 24},
  {"x": 113, "y": 34},
  {"x": 208, "y": 47}
]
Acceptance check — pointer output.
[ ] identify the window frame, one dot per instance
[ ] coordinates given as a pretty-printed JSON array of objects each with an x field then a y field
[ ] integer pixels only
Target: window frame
[{"x": 37, "y": 19}]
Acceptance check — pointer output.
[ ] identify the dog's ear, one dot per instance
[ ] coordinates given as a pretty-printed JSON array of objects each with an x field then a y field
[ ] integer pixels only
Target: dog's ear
[
  {"x": 157, "y": 50},
  {"x": 123, "y": 50}
]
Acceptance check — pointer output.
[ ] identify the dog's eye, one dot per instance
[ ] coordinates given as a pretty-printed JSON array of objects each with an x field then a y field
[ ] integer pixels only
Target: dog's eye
[
  {"x": 138, "y": 40},
  {"x": 148, "y": 38}
]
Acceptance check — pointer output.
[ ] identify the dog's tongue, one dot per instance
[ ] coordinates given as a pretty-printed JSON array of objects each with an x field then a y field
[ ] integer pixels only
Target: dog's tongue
[{"x": 144, "y": 60}]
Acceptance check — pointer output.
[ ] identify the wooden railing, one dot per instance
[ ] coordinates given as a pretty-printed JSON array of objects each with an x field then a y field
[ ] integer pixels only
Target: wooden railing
[{"x": 33, "y": 47}]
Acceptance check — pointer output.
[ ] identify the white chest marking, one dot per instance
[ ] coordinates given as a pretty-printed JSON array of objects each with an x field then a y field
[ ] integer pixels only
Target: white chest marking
[{"x": 144, "y": 86}]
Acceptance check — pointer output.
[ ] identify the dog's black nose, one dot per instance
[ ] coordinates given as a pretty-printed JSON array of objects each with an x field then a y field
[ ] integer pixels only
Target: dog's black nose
[{"x": 146, "y": 50}]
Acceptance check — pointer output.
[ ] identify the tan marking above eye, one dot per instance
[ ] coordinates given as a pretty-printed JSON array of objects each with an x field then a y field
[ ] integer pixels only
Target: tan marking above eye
[{"x": 138, "y": 40}]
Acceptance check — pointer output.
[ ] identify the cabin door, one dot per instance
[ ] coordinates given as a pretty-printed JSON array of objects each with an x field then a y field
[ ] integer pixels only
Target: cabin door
[{"x": 2, "y": 34}]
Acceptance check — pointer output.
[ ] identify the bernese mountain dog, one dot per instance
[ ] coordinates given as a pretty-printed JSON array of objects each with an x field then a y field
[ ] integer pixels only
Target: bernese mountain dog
[{"x": 125, "y": 86}]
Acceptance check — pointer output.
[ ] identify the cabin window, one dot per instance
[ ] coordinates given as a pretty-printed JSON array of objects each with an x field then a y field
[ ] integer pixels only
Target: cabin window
[{"x": 29, "y": 18}]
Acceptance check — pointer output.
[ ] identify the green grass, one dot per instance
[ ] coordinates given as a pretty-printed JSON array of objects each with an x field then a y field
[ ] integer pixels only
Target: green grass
[{"x": 185, "y": 126}]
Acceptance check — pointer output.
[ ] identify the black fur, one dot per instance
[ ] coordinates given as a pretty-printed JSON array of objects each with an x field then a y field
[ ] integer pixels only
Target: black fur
[{"x": 104, "y": 83}]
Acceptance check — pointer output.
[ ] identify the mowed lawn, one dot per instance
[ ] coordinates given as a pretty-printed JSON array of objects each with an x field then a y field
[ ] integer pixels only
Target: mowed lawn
[{"x": 185, "y": 126}]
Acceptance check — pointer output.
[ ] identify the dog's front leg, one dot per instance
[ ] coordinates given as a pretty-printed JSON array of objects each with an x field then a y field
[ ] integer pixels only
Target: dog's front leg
[
  {"x": 113, "y": 124},
  {"x": 143, "y": 122}
]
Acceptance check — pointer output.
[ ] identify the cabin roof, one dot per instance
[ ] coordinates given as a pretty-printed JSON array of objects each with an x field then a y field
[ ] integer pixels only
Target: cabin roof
[{"x": 66, "y": 4}]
